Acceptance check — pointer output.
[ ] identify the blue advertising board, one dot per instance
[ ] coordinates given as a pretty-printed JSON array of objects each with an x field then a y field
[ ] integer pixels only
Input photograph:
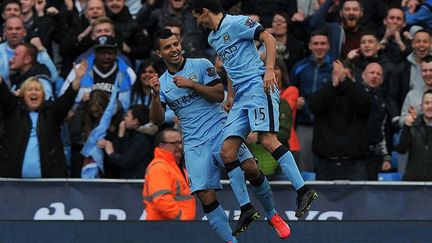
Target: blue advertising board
[{"x": 122, "y": 200}]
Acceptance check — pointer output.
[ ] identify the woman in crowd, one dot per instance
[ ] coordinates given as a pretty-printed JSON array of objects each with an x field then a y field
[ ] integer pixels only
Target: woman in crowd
[{"x": 31, "y": 146}]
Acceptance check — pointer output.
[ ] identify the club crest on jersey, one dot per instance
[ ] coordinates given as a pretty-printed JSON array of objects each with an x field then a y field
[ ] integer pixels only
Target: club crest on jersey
[
  {"x": 193, "y": 77},
  {"x": 226, "y": 38},
  {"x": 249, "y": 23},
  {"x": 211, "y": 72}
]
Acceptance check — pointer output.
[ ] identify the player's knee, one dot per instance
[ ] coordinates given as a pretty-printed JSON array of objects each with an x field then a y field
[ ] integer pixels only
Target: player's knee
[
  {"x": 230, "y": 148},
  {"x": 227, "y": 153},
  {"x": 269, "y": 141},
  {"x": 206, "y": 196},
  {"x": 251, "y": 169}
]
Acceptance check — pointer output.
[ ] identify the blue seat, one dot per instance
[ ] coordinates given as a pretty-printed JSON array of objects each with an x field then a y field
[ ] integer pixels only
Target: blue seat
[
  {"x": 308, "y": 176},
  {"x": 390, "y": 176}
]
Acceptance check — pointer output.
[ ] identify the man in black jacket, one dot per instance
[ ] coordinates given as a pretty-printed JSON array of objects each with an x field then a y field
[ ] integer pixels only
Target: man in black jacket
[
  {"x": 379, "y": 132},
  {"x": 340, "y": 134},
  {"x": 416, "y": 138}
]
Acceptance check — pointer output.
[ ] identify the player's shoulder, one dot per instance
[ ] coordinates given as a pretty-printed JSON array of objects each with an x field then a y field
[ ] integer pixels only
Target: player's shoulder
[
  {"x": 236, "y": 17},
  {"x": 239, "y": 21},
  {"x": 164, "y": 77},
  {"x": 198, "y": 61}
]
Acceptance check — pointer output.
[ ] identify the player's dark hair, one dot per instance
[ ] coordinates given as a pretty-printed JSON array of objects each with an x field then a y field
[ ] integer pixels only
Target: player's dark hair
[
  {"x": 212, "y": 5},
  {"x": 174, "y": 24},
  {"x": 162, "y": 34}
]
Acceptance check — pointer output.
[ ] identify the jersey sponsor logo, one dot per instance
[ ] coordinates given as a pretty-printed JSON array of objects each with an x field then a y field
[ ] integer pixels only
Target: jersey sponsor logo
[
  {"x": 211, "y": 72},
  {"x": 225, "y": 54},
  {"x": 183, "y": 101},
  {"x": 250, "y": 23}
]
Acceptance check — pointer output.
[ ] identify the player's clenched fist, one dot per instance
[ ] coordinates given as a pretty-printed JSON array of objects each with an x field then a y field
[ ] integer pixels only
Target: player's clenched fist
[{"x": 155, "y": 84}]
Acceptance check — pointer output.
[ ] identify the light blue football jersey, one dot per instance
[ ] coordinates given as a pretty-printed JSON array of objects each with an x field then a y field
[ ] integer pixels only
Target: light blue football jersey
[
  {"x": 234, "y": 43},
  {"x": 199, "y": 118}
]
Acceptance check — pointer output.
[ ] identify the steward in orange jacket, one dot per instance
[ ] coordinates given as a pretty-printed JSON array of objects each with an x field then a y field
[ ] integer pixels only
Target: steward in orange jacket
[{"x": 166, "y": 192}]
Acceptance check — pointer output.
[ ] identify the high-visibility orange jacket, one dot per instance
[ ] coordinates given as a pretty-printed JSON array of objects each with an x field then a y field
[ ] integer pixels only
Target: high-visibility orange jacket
[
  {"x": 291, "y": 94},
  {"x": 166, "y": 192}
]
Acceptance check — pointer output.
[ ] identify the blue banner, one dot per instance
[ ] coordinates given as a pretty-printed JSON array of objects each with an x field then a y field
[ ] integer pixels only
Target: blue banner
[{"x": 122, "y": 200}]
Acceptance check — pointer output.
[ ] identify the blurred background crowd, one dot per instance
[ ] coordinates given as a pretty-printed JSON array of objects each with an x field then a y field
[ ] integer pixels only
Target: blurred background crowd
[{"x": 353, "y": 79}]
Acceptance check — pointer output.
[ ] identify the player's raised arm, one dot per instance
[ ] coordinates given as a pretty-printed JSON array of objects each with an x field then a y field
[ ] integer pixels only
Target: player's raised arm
[{"x": 157, "y": 111}]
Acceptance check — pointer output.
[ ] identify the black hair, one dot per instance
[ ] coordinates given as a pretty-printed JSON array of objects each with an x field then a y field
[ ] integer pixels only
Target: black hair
[
  {"x": 140, "y": 112},
  {"x": 343, "y": 3},
  {"x": 318, "y": 32},
  {"x": 369, "y": 32},
  {"x": 429, "y": 91},
  {"x": 427, "y": 59},
  {"x": 423, "y": 30},
  {"x": 160, "y": 137},
  {"x": 394, "y": 6},
  {"x": 7, "y": 2},
  {"x": 212, "y": 5},
  {"x": 162, "y": 35},
  {"x": 173, "y": 23},
  {"x": 137, "y": 92}
]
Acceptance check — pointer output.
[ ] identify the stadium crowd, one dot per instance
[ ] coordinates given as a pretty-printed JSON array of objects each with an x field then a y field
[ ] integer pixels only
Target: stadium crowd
[{"x": 354, "y": 79}]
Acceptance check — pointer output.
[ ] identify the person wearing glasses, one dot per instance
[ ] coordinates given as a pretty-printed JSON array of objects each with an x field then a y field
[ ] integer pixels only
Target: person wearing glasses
[{"x": 166, "y": 192}]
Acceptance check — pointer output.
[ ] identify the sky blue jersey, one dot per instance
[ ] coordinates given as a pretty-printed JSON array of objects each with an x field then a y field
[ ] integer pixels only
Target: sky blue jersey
[
  {"x": 233, "y": 41},
  {"x": 199, "y": 118}
]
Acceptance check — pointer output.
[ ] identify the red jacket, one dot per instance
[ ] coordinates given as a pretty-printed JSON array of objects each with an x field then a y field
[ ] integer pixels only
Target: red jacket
[{"x": 166, "y": 192}]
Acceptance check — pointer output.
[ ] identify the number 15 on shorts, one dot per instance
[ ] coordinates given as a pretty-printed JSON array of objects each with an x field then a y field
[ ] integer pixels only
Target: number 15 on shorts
[{"x": 259, "y": 115}]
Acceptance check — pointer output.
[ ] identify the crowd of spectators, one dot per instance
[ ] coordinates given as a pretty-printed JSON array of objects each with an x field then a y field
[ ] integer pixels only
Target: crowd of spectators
[{"x": 352, "y": 73}]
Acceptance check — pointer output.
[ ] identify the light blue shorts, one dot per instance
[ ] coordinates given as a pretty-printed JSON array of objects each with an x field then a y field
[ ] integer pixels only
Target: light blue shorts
[
  {"x": 253, "y": 110},
  {"x": 204, "y": 163}
]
